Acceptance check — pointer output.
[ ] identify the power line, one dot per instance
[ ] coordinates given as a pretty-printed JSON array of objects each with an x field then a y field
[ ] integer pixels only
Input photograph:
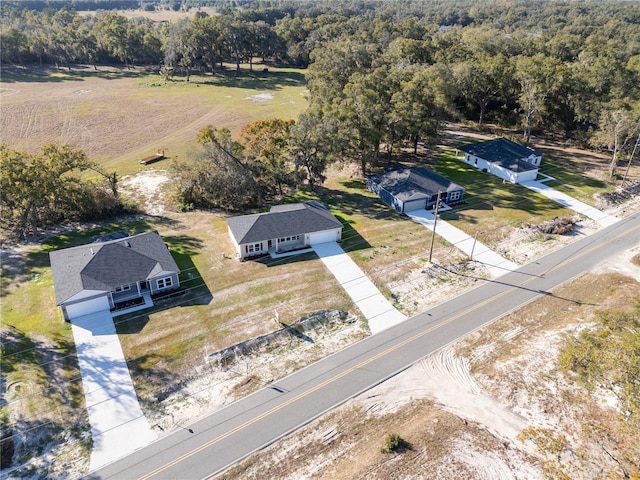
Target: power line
[{"x": 268, "y": 262}]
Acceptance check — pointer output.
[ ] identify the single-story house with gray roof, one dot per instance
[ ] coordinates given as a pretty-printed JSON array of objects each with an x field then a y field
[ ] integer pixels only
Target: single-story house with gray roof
[
  {"x": 101, "y": 275},
  {"x": 503, "y": 158},
  {"x": 284, "y": 228},
  {"x": 413, "y": 189}
]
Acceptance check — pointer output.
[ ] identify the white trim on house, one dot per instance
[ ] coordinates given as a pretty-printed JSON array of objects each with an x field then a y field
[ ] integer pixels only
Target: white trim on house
[
  {"x": 285, "y": 228},
  {"x": 87, "y": 307},
  {"x": 505, "y": 159}
]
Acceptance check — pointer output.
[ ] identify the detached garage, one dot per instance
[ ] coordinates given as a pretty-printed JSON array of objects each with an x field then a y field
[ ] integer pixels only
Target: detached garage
[{"x": 407, "y": 190}]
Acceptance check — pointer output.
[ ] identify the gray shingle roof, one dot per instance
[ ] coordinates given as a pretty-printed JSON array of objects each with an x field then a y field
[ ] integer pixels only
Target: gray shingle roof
[
  {"x": 411, "y": 183},
  {"x": 106, "y": 265},
  {"x": 282, "y": 221},
  {"x": 504, "y": 152}
]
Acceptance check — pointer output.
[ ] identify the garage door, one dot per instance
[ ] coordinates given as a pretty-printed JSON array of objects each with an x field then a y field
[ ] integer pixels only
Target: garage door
[
  {"x": 322, "y": 237},
  {"x": 419, "y": 204},
  {"x": 87, "y": 307}
]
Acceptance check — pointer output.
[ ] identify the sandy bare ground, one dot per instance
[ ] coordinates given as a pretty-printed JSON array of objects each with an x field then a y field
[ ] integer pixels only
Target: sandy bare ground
[
  {"x": 485, "y": 440},
  {"x": 438, "y": 398},
  {"x": 463, "y": 410}
]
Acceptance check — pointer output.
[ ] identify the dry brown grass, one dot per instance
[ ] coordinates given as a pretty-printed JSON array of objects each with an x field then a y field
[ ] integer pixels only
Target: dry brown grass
[
  {"x": 237, "y": 303},
  {"x": 118, "y": 116},
  {"x": 347, "y": 443}
]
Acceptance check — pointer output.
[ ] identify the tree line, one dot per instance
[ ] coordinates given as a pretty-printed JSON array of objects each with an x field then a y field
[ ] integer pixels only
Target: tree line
[
  {"x": 48, "y": 188},
  {"x": 381, "y": 75},
  {"x": 379, "y": 83}
]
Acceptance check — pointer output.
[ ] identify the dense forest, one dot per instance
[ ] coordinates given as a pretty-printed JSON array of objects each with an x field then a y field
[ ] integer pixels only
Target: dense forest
[{"x": 381, "y": 74}]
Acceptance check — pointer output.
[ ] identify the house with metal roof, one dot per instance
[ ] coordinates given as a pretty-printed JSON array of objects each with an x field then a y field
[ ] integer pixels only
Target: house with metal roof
[
  {"x": 503, "y": 158},
  {"x": 285, "y": 228},
  {"x": 112, "y": 273},
  {"x": 413, "y": 189}
]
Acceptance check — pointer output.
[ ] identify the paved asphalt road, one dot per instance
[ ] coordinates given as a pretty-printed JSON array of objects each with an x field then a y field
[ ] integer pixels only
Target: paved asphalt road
[{"x": 228, "y": 435}]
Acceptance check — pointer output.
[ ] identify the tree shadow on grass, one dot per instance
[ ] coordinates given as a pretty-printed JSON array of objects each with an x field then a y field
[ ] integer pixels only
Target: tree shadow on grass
[
  {"x": 355, "y": 202},
  {"x": 153, "y": 383},
  {"x": 351, "y": 239},
  {"x": 52, "y": 372},
  {"x": 193, "y": 290},
  {"x": 78, "y": 73},
  {"x": 254, "y": 80}
]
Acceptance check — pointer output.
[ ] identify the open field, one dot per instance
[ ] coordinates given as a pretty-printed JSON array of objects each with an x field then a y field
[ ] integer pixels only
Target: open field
[
  {"x": 118, "y": 116},
  {"x": 227, "y": 302}
]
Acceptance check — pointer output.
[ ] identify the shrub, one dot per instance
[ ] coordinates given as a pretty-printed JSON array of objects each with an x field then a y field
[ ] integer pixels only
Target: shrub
[{"x": 393, "y": 442}]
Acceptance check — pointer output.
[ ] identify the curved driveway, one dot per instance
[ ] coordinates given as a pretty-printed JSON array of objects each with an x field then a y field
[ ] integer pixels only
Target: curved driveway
[{"x": 228, "y": 435}]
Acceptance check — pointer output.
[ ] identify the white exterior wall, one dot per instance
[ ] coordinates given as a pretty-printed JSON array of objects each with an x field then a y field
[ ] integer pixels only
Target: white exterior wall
[
  {"x": 527, "y": 176},
  {"x": 322, "y": 237},
  {"x": 238, "y": 247},
  {"x": 262, "y": 248},
  {"x": 535, "y": 160},
  {"x": 502, "y": 172}
]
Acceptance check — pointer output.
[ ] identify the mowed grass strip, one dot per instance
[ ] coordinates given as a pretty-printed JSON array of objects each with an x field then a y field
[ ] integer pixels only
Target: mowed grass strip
[{"x": 42, "y": 389}]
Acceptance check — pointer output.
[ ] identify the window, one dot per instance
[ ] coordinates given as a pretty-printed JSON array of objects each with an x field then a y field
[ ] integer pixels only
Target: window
[
  {"x": 454, "y": 196},
  {"x": 254, "y": 248},
  {"x": 293, "y": 238},
  {"x": 164, "y": 282},
  {"x": 123, "y": 288}
]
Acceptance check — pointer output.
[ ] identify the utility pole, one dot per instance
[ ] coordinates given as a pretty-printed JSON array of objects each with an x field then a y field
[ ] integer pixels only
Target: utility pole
[{"x": 435, "y": 220}]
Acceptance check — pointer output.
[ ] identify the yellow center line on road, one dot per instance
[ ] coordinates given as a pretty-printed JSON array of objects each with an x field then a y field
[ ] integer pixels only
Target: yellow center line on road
[{"x": 371, "y": 359}]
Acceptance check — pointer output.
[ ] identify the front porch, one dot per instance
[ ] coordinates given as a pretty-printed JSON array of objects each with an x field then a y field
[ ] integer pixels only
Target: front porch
[
  {"x": 132, "y": 304},
  {"x": 290, "y": 253},
  {"x": 285, "y": 249}
]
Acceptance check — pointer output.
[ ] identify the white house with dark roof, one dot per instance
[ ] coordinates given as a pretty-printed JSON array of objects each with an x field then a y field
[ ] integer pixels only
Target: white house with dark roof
[
  {"x": 101, "y": 275},
  {"x": 413, "y": 189},
  {"x": 284, "y": 228},
  {"x": 503, "y": 158}
]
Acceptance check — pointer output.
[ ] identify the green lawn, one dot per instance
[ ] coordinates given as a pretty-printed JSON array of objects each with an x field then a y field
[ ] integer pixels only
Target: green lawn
[
  {"x": 120, "y": 116},
  {"x": 227, "y": 301},
  {"x": 491, "y": 206}
]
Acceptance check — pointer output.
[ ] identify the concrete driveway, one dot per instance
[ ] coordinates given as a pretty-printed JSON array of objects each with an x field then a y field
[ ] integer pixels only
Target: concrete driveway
[
  {"x": 603, "y": 219},
  {"x": 374, "y": 306},
  {"x": 495, "y": 264},
  {"x": 118, "y": 426}
]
